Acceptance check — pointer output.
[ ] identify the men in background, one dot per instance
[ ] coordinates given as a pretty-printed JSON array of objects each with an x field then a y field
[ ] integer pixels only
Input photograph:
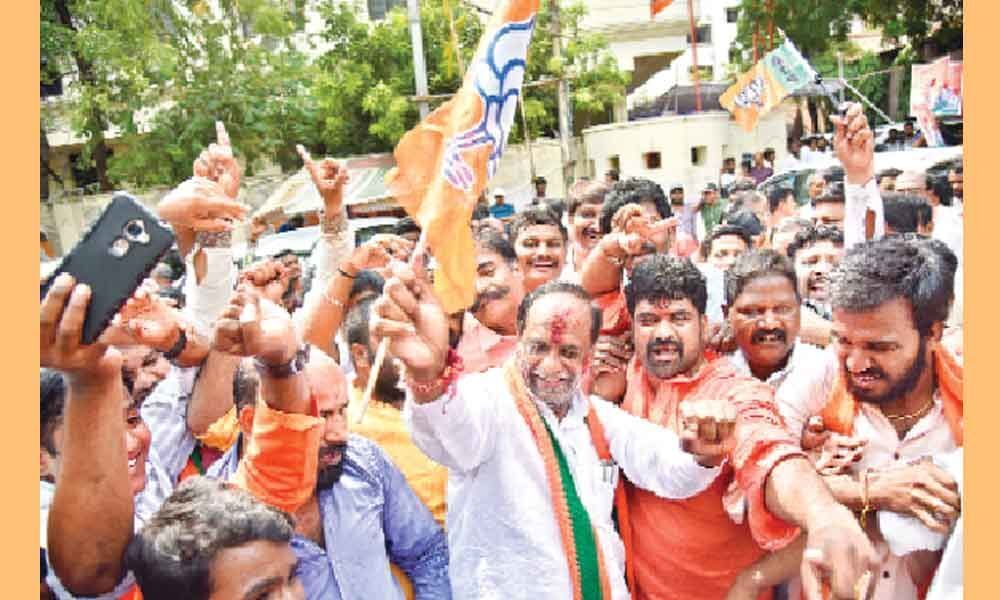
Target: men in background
[
  {"x": 686, "y": 211},
  {"x": 785, "y": 231},
  {"x": 886, "y": 179},
  {"x": 540, "y": 186},
  {"x": 540, "y": 242},
  {"x": 727, "y": 175},
  {"x": 584, "y": 212},
  {"x": 829, "y": 207},
  {"x": 781, "y": 205},
  {"x": 907, "y": 214},
  {"x": 955, "y": 179},
  {"x": 815, "y": 252},
  {"x": 611, "y": 176},
  {"x": 725, "y": 245},
  {"x": 760, "y": 170},
  {"x": 210, "y": 540},
  {"x": 500, "y": 209},
  {"x": 792, "y": 160},
  {"x": 814, "y": 189},
  {"x": 710, "y": 210},
  {"x": 696, "y": 547}
]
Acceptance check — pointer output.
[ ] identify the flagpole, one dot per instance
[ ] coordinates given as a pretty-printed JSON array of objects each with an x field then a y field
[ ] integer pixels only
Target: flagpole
[
  {"x": 694, "y": 57},
  {"x": 383, "y": 345}
]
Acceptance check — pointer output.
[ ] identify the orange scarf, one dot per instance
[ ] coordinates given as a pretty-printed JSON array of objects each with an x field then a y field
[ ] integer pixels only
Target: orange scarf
[{"x": 841, "y": 407}]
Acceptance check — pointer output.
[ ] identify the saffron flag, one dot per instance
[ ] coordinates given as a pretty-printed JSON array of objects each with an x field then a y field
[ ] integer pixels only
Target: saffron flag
[
  {"x": 781, "y": 72},
  {"x": 656, "y": 6},
  {"x": 444, "y": 163}
]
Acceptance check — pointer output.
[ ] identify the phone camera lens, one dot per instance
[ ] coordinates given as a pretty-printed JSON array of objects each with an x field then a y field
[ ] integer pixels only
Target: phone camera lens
[{"x": 134, "y": 230}]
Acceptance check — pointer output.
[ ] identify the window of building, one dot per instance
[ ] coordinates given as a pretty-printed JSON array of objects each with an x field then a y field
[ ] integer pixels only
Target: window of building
[
  {"x": 614, "y": 163},
  {"x": 378, "y": 9},
  {"x": 698, "y": 155},
  {"x": 732, "y": 14},
  {"x": 82, "y": 175},
  {"x": 704, "y": 35},
  {"x": 651, "y": 160}
]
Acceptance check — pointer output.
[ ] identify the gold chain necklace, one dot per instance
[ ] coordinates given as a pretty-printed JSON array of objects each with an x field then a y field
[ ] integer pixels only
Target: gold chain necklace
[{"x": 912, "y": 415}]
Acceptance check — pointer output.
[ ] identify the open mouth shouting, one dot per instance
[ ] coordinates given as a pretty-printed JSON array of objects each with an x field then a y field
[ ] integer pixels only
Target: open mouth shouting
[{"x": 818, "y": 286}]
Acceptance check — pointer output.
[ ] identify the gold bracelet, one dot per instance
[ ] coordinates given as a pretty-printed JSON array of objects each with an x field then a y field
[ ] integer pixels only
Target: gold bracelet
[{"x": 865, "y": 500}]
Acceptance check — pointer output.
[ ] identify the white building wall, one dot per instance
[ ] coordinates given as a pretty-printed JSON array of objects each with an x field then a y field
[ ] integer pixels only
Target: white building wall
[{"x": 674, "y": 137}]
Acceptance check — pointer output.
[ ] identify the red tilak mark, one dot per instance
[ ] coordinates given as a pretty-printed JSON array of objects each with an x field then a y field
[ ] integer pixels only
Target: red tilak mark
[{"x": 558, "y": 326}]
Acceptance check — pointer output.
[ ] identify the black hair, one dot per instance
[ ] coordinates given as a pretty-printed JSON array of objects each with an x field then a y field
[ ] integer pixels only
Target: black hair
[
  {"x": 367, "y": 281},
  {"x": 480, "y": 212},
  {"x": 664, "y": 277},
  {"x": 52, "y": 393},
  {"x": 916, "y": 270},
  {"x": 723, "y": 230},
  {"x": 538, "y": 215},
  {"x": 905, "y": 214},
  {"x": 754, "y": 264},
  {"x": 355, "y": 326},
  {"x": 491, "y": 240},
  {"x": 246, "y": 383},
  {"x": 586, "y": 191},
  {"x": 285, "y": 252},
  {"x": 777, "y": 196},
  {"x": 941, "y": 188},
  {"x": 613, "y": 174},
  {"x": 172, "y": 555},
  {"x": 560, "y": 287},
  {"x": 633, "y": 190},
  {"x": 406, "y": 225},
  {"x": 958, "y": 167},
  {"x": 832, "y": 194},
  {"x": 812, "y": 234}
]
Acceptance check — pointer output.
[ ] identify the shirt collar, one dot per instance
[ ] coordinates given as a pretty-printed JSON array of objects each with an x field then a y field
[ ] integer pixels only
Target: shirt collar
[{"x": 739, "y": 361}]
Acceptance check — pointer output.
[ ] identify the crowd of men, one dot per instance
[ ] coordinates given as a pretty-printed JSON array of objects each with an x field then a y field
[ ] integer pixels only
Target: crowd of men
[{"x": 649, "y": 398}]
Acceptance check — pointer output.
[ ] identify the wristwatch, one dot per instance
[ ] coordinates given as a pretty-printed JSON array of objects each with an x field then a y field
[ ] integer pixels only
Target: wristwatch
[
  {"x": 178, "y": 348},
  {"x": 292, "y": 367}
]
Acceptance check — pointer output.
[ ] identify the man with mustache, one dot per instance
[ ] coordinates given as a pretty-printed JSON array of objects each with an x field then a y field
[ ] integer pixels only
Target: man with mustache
[
  {"x": 899, "y": 392},
  {"x": 534, "y": 483},
  {"x": 697, "y": 547},
  {"x": 539, "y": 239},
  {"x": 489, "y": 327}
]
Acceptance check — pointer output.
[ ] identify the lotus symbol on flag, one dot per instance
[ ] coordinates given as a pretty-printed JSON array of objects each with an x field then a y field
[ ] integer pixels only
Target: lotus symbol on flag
[
  {"x": 752, "y": 94},
  {"x": 497, "y": 77}
]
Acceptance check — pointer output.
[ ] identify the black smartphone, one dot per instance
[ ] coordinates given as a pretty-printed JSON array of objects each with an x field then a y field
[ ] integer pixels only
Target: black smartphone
[{"x": 116, "y": 254}]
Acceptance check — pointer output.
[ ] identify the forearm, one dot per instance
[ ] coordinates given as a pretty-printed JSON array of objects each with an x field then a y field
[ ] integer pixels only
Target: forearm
[
  {"x": 93, "y": 489},
  {"x": 774, "y": 568},
  {"x": 323, "y": 311},
  {"x": 846, "y": 489},
  {"x": 213, "y": 392},
  {"x": 863, "y": 211},
  {"x": 287, "y": 394},
  {"x": 796, "y": 493},
  {"x": 208, "y": 296},
  {"x": 601, "y": 273}
]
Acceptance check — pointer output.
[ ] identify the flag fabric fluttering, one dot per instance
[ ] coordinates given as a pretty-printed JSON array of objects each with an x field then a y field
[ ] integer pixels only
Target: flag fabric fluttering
[
  {"x": 781, "y": 72},
  {"x": 444, "y": 163},
  {"x": 656, "y": 6}
]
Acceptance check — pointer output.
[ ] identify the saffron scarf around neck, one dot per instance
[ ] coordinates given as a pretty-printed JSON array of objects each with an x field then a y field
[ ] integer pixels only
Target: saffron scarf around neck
[
  {"x": 841, "y": 407},
  {"x": 588, "y": 575}
]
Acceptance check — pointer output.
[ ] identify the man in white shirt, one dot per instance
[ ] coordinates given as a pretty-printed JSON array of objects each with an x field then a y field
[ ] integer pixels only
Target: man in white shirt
[
  {"x": 763, "y": 306},
  {"x": 513, "y": 436}
]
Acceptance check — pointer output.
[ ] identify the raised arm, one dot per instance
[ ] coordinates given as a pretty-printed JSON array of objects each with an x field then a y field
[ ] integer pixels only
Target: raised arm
[
  {"x": 93, "y": 487},
  {"x": 854, "y": 144}
]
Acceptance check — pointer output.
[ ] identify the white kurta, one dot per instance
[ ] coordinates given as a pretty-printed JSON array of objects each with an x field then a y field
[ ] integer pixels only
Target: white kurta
[{"x": 502, "y": 531}]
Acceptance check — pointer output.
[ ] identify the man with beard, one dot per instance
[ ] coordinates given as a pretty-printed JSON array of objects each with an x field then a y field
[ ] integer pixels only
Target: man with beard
[
  {"x": 383, "y": 419},
  {"x": 534, "y": 483},
  {"x": 489, "y": 327},
  {"x": 696, "y": 547},
  {"x": 815, "y": 252},
  {"x": 361, "y": 501},
  {"x": 584, "y": 209},
  {"x": 899, "y": 392},
  {"x": 539, "y": 240}
]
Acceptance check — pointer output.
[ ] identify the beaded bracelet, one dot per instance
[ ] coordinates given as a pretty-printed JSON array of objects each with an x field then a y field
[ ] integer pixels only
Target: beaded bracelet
[{"x": 453, "y": 368}]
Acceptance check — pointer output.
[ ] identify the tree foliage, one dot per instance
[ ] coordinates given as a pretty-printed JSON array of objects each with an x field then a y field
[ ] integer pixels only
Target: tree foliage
[{"x": 158, "y": 73}]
